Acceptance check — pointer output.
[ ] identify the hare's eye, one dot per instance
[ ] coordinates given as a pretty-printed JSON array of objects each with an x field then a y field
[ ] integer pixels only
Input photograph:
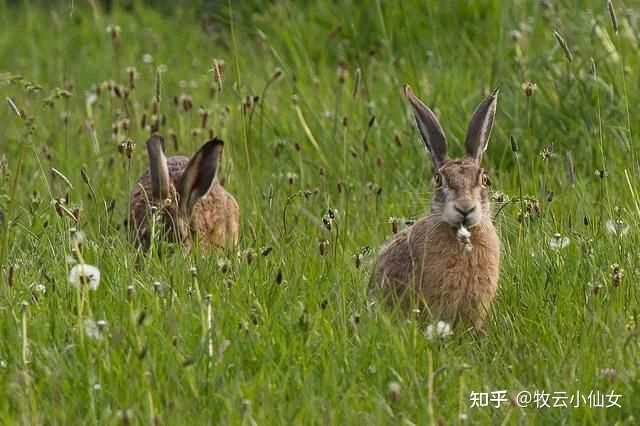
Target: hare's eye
[
  {"x": 437, "y": 180},
  {"x": 485, "y": 180}
]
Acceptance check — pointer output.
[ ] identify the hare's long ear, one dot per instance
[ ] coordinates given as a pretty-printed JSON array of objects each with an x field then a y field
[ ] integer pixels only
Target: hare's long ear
[
  {"x": 158, "y": 169},
  {"x": 199, "y": 174},
  {"x": 480, "y": 127},
  {"x": 430, "y": 129}
]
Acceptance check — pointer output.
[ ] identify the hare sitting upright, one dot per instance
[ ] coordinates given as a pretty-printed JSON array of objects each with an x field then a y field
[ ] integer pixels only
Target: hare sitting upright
[
  {"x": 180, "y": 199},
  {"x": 448, "y": 261}
]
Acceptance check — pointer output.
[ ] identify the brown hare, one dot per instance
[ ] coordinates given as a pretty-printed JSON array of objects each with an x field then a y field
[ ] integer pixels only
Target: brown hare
[
  {"x": 180, "y": 199},
  {"x": 448, "y": 261}
]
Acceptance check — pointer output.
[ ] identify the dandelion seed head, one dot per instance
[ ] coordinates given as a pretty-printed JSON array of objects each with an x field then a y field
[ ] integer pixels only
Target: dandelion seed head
[
  {"x": 394, "y": 389},
  {"x": 463, "y": 234},
  {"x": 558, "y": 242},
  {"x": 92, "y": 330},
  {"x": 617, "y": 227},
  {"x": 440, "y": 330},
  {"x": 158, "y": 287},
  {"x": 91, "y": 98},
  {"x": 84, "y": 274},
  {"x": 78, "y": 237},
  {"x": 39, "y": 289},
  {"x": 608, "y": 373}
]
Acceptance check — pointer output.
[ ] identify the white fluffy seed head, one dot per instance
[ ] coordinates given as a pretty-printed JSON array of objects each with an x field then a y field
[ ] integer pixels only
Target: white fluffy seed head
[
  {"x": 83, "y": 274},
  {"x": 463, "y": 234}
]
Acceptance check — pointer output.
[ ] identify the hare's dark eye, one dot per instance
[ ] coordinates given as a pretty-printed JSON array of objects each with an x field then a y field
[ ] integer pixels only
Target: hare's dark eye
[
  {"x": 485, "y": 180},
  {"x": 437, "y": 180}
]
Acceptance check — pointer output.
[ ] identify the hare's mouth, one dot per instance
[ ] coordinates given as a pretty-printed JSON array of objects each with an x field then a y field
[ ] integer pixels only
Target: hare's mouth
[
  {"x": 457, "y": 222},
  {"x": 469, "y": 223}
]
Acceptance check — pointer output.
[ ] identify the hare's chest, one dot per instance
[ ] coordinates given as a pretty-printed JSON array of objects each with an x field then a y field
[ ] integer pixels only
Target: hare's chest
[{"x": 456, "y": 282}]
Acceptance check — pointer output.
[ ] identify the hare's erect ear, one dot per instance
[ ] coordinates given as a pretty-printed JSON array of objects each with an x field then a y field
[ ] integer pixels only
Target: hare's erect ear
[
  {"x": 429, "y": 127},
  {"x": 158, "y": 168},
  {"x": 480, "y": 127},
  {"x": 199, "y": 174}
]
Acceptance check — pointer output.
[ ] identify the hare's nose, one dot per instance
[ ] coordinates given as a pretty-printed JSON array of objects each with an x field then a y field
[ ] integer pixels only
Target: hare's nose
[{"x": 465, "y": 211}]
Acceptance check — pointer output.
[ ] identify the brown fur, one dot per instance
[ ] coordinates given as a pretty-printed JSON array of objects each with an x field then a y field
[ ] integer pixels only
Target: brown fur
[
  {"x": 215, "y": 220},
  {"x": 427, "y": 262}
]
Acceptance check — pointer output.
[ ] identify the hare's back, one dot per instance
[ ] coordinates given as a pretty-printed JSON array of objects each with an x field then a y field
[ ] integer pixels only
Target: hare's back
[
  {"x": 215, "y": 217},
  {"x": 402, "y": 258}
]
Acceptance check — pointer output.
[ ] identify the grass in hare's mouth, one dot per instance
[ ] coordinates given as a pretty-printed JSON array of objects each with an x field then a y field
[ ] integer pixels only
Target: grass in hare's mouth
[{"x": 308, "y": 99}]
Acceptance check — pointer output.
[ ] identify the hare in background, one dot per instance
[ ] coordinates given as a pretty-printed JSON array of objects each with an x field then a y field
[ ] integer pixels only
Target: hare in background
[
  {"x": 179, "y": 199},
  {"x": 448, "y": 261}
]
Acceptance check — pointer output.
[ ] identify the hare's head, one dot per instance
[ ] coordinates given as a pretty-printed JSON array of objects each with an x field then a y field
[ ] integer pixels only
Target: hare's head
[
  {"x": 176, "y": 186},
  {"x": 461, "y": 195}
]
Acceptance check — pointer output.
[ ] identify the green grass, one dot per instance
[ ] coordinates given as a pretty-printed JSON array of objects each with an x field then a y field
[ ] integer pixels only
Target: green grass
[{"x": 295, "y": 336}]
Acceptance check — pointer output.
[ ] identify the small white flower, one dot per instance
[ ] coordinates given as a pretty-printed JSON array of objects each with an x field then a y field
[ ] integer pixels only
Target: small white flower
[
  {"x": 617, "y": 227},
  {"x": 223, "y": 265},
  {"x": 91, "y": 99},
  {"x": 39, "y": 288},
  {"x": 147, "y": 58},
  {"x": 291, "y": 177},
  {"x": 440, "y": 330},
  {"x": 394, "y": 390},
  {"x": 113, "y": 28},
  {"x": 608, "y": 373},
  {"x": 3, "y": 363},
  {"x": 92, "y": 329},
  {"x": 83, "y": 274},
  {"x": 78, "y": 237},
  {"x": 159, "y": 287},
  {"x": 97, "y": 386},
  {"x": 558, "y": 242}
]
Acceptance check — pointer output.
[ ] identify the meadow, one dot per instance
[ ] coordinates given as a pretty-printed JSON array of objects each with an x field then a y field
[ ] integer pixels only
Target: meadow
[{"x": 323, "y": 157}]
